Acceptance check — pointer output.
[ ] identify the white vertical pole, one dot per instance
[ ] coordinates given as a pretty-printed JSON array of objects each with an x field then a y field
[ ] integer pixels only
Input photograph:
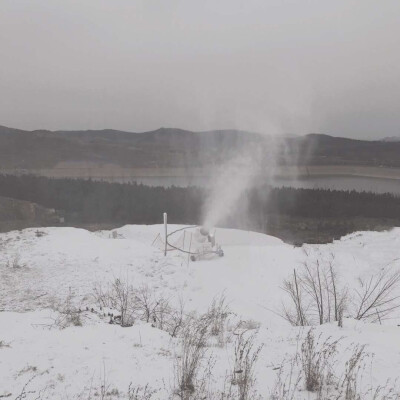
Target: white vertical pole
[
  {"x": 190, "y": 247},
  {"x": 166, "y": 233}
]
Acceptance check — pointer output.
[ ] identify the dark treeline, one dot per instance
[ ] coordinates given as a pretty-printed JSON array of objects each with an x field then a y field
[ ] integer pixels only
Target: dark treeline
[
  {"x": 317, "y": 203},
  {"x": 93, "y": 201}
]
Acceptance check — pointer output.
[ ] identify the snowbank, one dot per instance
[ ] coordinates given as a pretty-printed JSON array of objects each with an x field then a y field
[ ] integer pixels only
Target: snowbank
[{"x": 39, "y": 266}]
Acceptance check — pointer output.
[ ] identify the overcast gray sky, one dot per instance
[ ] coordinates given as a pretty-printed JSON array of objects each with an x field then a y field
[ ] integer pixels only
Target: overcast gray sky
[{"x": 330, "y": 66}]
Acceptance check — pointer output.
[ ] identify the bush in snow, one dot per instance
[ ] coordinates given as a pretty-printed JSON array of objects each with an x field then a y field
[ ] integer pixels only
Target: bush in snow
[
  {"x": 315, "y": 298},
  {"x": 121, "y": 300},
  {"x": 188, "y": 362},
  {"x": 378, "y": 295},
  {"x": 67, "y": 313},
  {"x": 140, "y": 392},
  {"x": 148, "y": 306},
  {"x": 215, "y": 318},
  {"x": 171, "y": 319},
  {"x": 15, "y": 262},
  {"x": 218, "y": 313},
  {"x": 194, "y": 368},
  {"x": 141, "y": 303},
  {"x": 317, "y": 360},
  {"x": 4, "y": 344},
  {"x": 348, "y": 385},
  {"x": 287, "y": 381},
  {"x": 316, "y": 366},
  {"x": 246, "y": 356},
  {"x": 119, "y": 296}
]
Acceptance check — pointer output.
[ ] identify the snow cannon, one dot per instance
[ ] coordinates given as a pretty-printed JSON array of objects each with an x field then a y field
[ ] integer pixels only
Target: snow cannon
[
  {"x": 195, "y": 241},
  {"x": 204, "y": 244}
]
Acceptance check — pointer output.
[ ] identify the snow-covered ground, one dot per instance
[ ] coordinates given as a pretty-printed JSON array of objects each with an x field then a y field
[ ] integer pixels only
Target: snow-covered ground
[{"x": 41, "y": 268}]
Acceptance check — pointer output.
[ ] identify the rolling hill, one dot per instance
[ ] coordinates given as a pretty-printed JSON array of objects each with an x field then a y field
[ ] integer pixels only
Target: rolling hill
[{"x": 177, "y": 148}]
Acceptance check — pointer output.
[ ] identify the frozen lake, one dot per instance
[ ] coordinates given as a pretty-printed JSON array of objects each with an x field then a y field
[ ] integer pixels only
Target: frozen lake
[{"x": 360, "y": 184}]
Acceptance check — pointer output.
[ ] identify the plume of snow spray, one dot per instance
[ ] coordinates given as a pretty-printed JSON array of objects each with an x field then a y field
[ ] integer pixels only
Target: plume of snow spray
[{"x": 235, "y": 177}]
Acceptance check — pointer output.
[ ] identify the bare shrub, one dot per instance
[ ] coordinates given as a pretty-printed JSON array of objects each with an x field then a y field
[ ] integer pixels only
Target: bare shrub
[
  {"x": 103, "y": 390},
  {"x": 146, "y": 303},
  {"x": 141, "y": 303},
  {"x": 246, "y": 356},
  {"x": 216, "y": 317},
  {"x": 317, "y": 360},
  {"x": 154, "y": 308},
  {"x": 318, "y": 368},
  {"x": 313, "y": 284},
  {"x": 341, "y": 307},
  {"x": 315, "y": 296},
  {"x": 67, "y": 313},
  {"x": 171, "y": 319},
  {"x": 203, "y": 387},
  {"x": 194, "y": 341},
  {"x": 218, "y": 313},
  {"x": 249, "y": 325},
  {"x": 140, "y": 392},
  {"x": 28, "y": 369},
  {"x": 29, "y": 393},
  {"x": 39, "y": 233},
  {"x": 389, "y": 391},
  {"x": 194, "y": 370},
  {"x": 4, "y": 344},
  {"x": 377, "y": 296},
  {"x": 25, "y": 392},
  {"x": 320, "y": 283},
  {"x": 288, "y": 377},
  {"x": 287, "y": 382},
  {"x": 161, "y": 313},
  {"x": 101, "y": 297},
  {"x": 15, "y": 262},
  {"x": 348, "y": 386},
  {"x": 294, "y": 289},
  {"x": 120, "y": 299}
]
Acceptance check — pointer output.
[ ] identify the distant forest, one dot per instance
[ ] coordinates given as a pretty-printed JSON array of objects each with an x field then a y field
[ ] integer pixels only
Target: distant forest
[{"x": 87, "y": 201}]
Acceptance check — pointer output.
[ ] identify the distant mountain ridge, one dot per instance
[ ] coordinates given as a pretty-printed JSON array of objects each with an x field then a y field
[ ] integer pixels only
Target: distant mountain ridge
[
  {"x": 178, "y": 148},
  {"x": 391, "y": 139}
]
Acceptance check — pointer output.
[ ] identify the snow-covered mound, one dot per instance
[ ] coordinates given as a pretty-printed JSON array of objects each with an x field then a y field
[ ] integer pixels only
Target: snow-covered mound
[
  {"x": 40, "y": 267},
  {"x": 230, "y": 237}
]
